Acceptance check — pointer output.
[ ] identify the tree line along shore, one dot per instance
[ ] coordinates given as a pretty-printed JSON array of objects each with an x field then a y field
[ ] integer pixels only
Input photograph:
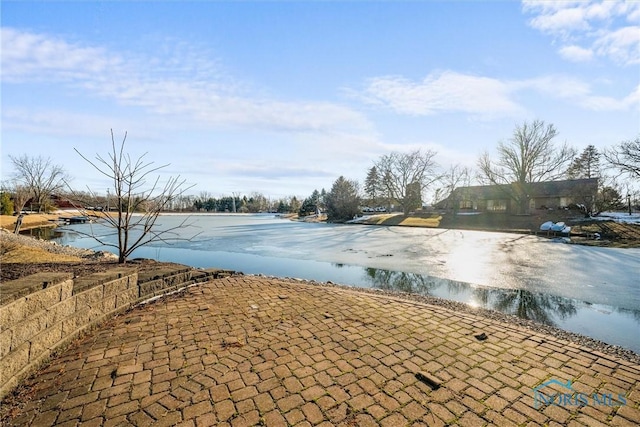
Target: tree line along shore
[{"x": 584, "y": 230}]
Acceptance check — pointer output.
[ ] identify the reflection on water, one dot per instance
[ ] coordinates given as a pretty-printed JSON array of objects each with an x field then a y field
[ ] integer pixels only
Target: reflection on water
[
  {"x": 606, "y": 323},
  {"x": 43, "y": 233},
  {"x": 541, "y": 308},
  {"x": 400, "y": 281},
  {"x": 528, "y": 305}
]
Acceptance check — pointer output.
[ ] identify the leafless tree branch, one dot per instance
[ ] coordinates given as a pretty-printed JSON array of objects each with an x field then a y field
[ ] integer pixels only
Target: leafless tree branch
[
  {"x": 529, "y": 156},
  {"x": 399, "y": 171},
  {"x": 625, "y": 157},
  {"x": 39, "y": 176},
  {"x": 137, "y": 204}
]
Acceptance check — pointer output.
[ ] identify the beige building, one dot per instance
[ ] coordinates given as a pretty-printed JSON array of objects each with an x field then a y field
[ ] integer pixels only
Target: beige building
[{"x": 513, "y": 198}]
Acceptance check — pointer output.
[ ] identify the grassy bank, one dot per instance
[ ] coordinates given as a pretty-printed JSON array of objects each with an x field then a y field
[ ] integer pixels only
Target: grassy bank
[
  {"x": 8, "y": 222},
  {"x": 35, "y": 220}
]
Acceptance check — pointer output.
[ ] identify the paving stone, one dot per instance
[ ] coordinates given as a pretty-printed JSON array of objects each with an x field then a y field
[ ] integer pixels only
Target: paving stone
[
  {"x": 290, "y": 402},
  {"x": 139, "y": 418},
  {"x": 245, "y": 406},
  {"x": 197, "y": 410},
  {"x": 294, "y": 416},
  {"x": 393, "y": 420},
  {"x": 319, "y": 356},
  {"x": 629, "y": 413},
  {"x": 224, "y": 410},
  {"x": 441, "y": 412},
  {"x": 312, "y": 413},
  {"x": 556, "y": 413}
]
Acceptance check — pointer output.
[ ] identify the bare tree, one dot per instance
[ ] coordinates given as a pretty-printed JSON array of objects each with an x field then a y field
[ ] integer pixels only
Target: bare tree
[
  {"x": 404, "y": 174},
  {"x": 529, "y": 156},
  {"x": 19, "y": 192},
  {"x": 625, "y": 157},
  {"x": 40, "y": 176},
  {"x": 456, "y": 176},
  {"x": 137, "y": 204}
]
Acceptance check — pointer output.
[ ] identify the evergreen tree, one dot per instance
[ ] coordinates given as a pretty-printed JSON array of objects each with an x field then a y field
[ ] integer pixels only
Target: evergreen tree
[
  {"x": 294, "y": 204},
  {"x": 342, "y": 200},
  {"x": 322, "y": 199},
  {"x": 6, "y": 204},
  {"x": 609, "y": 198},
  {"x": 211, "y": 204},
  {"x": 372, "y": 186},
  {"x": 308, "y": 207},
  {"x": 282, "y": 207},
  {"x": 315, "y": 197},
  {"x": 586, "y": 165},
  {"x": 310, "y": 204}
]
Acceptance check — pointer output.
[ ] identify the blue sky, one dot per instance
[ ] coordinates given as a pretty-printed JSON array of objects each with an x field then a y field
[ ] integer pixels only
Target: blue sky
[{"x": 284, "y": 97}]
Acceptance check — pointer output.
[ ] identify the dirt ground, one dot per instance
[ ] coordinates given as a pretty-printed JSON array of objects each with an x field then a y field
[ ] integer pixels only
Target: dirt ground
[
  {"x": 11, "y": 252},
  {"x": 12, "y": 271},
  {"x": 20, "y": 260}
]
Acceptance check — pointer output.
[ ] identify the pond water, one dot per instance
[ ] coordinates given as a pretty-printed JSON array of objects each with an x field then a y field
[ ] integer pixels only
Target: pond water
[{"x": 592, "y": 291}]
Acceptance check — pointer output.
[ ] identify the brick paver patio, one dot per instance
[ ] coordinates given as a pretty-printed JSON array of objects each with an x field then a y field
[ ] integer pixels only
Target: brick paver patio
[{"x": 247, "y": 351}]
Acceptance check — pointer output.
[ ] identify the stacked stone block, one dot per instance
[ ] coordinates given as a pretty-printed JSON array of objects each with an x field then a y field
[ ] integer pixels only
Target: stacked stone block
[{"x": 43, "y": 312}]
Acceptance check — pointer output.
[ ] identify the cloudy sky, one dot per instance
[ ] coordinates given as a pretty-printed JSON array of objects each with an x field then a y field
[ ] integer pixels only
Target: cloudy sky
[{"x": 284, "y": 97}]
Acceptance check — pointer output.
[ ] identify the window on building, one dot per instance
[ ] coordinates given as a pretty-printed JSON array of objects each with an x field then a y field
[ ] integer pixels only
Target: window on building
[
  {"x": 497, "y": 205},
  {"x": 466, "y": 204}
]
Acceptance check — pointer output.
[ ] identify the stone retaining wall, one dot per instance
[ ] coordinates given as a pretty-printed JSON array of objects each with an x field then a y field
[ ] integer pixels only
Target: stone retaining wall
[{"x": 44, "y": 312}]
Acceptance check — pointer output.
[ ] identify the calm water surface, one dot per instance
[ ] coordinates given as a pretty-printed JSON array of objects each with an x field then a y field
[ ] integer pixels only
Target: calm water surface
[{"x": 593, "y": 291}]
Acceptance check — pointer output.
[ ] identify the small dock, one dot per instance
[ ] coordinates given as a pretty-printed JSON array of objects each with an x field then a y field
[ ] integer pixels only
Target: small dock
[{"x": 74, "y": 219}]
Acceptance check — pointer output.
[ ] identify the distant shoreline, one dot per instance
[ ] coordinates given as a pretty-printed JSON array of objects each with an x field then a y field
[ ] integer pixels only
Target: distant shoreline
[{"x": 630, "y": 236}]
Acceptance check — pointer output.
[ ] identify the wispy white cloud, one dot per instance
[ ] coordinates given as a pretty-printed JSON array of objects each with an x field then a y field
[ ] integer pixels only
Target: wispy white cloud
[
  {"x": 579, "y": 93},
  {"x": 30, "y": 56},
  {"x": 265, "y": 170},
  {"x": 608, "y": 28},
  {"x": 444, "y": 92},
  {"x": 576, "y": 53},
  {"x": 558, "y": 19},
  {"x": 481, "y": 97},
  {"x": 622, "y": 45},
  {"x": 62, "y": 123},
  {"x": 184, "y": 84}
]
